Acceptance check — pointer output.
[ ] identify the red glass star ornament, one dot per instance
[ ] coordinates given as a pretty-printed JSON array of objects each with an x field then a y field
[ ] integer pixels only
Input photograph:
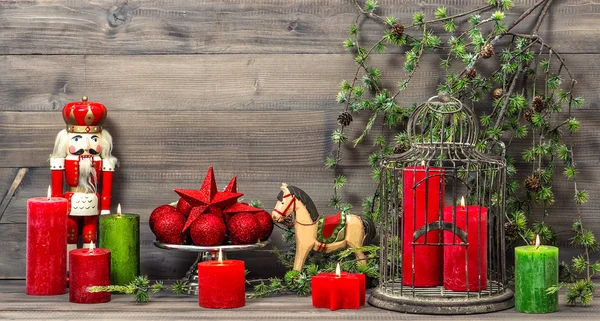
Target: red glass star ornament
[
  {"x": 232, "y": 186},
  {"x": 206, "y": 196}
]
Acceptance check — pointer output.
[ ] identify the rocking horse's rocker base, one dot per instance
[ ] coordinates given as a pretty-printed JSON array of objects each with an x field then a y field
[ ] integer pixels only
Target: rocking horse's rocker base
[{"x": 431, "y": 304}]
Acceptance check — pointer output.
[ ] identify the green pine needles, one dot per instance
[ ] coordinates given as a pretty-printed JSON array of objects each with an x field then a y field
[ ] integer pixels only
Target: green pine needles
[
  {"x": 527, "y": 95},
  {"x": 141, "y": 288},
  {"x": 299, "y": 282}
]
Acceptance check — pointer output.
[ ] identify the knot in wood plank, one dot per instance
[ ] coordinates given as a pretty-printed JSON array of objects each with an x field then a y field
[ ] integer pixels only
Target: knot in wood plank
[{"x": 118, "y": 16}]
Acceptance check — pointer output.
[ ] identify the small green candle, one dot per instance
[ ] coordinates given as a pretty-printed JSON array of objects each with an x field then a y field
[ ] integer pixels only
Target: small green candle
[
  {"x": 536, "y": 269},
  {"x": 120, "y": 233}
]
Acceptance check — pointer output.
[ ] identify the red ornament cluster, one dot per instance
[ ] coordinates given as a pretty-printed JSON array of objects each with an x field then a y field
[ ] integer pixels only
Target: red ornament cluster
[{"x": 208, "y": 217}]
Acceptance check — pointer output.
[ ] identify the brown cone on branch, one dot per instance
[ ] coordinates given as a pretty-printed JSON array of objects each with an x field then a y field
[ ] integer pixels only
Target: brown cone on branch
[
  {"x": 498, "y": 93},
  {"x": 471, "y": 73},
  {"x": 397, "y": 29},
  {"x": 528, "y": 115},
  {"x": 533, "y": 183},
  {"x": 510, "y": 229},
  {"x": 486, "y": 51},
  {"x": 399, "y": 149},
  {"x": 538, "y": 104},
  {"x": 344, "y": 119}
]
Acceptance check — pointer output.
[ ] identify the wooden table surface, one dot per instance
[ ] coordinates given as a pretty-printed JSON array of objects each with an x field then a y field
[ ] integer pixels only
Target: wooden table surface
[{"x": 16, "y": 305}]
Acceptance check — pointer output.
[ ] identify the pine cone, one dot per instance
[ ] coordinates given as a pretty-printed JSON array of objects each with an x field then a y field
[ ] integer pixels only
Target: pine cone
[
  {"x": 533, "y": 182},
  {"x": 498, "y": 93},
  {"x": 510, "y": 229},
  {"x": 539, "y": 104},
  {"x": 344, "y": 119},
  {"x": 399, "y": 149},
  {"x": 397, "y": 29},
  {"x": 528, "y": 115},
  {"x": 471, "y": 73},
  {"x": 486, "y": 51}
]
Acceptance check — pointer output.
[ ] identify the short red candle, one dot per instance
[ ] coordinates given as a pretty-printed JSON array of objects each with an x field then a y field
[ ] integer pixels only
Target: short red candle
[
  {"x": 89, "y": 267},
  {"x": 347, "y": 291},
  {"x": 421, "y": 206},
  {"x": 455, "y": 278},
  {"x": 46, "y": 269},
  {"x": 221, "y": 285}
]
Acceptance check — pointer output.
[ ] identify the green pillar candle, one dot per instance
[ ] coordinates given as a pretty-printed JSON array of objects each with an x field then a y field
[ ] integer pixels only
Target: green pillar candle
[
  {"x": 536, "y": 269},
  {"x": 120, "y": 233}
]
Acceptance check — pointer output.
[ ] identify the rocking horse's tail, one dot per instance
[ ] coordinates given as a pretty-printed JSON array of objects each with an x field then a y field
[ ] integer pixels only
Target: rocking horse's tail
[{"x": 370, "y": 230}]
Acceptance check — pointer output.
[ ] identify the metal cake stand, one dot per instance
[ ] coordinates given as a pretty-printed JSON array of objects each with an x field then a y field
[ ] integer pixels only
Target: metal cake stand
[{"x": 206, "y": 253}]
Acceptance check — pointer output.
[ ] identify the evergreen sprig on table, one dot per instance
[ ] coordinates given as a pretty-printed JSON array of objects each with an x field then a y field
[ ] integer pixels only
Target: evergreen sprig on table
[
  {"x": 300, "y": 282},
  {"x": 532, "y": 98},
  {"x": 141, "y": 288}
]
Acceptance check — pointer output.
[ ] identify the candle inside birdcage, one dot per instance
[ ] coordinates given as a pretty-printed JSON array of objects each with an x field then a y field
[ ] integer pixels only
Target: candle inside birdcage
[{"x": 420, "y": 192}]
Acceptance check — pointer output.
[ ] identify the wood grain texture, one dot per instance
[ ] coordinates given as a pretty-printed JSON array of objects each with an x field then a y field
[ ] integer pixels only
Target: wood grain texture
[
  {"x": 188, "y": 82},
  {"x": 223, "y": 82},
  {"x": 14, "y": 304},
  {"x": 234, "y": 26}
]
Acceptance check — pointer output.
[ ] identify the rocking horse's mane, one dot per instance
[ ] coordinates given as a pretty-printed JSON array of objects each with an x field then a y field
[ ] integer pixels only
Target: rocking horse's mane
[{"x": 305, "y": 199}]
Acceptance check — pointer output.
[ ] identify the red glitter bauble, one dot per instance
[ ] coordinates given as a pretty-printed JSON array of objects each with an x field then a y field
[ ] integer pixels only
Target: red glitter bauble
[
  {"x": 184, "y": 207},
  {"x": 265, "y": 222},
  {"x": 243, "y": 228},
  {"x": 157, "y": 213},
  {"x": 208, "y": 230},
  {"x": 168, "y": 226}
]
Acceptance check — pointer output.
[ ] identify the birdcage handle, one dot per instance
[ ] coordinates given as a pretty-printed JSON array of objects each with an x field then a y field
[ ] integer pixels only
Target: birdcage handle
[
  {"x": 453, "y": 102},
  {"x": 439, "y": 226}
]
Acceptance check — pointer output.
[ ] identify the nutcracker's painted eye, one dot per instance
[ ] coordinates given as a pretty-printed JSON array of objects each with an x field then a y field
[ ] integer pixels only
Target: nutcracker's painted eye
[
  {"x": 76, "y": 138},
  {"x": 95, "y": 139}
]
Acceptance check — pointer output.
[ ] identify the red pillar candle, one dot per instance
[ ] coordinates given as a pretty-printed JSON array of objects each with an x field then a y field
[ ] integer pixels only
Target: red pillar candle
[
  {"x": 221, "y": 284},
  {"x": 46, "y": 269},
  {"x": 423, "y": 198},
  {"x": 89, "y": 267},
  {"x": 338, "y": 291},
  {"x": 455, "y": 260}
]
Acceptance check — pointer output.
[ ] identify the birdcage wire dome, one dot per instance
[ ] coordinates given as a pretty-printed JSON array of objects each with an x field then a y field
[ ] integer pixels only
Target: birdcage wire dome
[{"x": 437, "y": 256}]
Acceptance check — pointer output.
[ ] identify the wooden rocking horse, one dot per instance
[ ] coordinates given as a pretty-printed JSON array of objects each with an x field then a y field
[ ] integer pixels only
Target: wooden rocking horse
[{"x": 321, "y": 234}]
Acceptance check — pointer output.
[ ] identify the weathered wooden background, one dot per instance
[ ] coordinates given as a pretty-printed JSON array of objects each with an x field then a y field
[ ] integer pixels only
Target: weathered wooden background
[{"x": 246, "y": 86}]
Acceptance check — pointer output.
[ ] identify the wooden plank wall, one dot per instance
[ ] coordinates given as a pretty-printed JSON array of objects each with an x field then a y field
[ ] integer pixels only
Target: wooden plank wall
[{"x": 246, "y": 86}]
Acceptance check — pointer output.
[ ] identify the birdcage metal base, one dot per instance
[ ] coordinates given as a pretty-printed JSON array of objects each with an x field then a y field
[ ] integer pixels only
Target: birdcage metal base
[{"x": 436, "y": 300}]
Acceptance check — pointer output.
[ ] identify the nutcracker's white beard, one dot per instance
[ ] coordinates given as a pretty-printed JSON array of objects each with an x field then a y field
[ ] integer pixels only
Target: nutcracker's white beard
[{"x": 87, "y": 176}]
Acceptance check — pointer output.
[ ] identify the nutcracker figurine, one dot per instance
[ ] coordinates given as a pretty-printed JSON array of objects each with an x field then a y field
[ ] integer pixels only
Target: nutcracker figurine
[{"x": 82, "y": 155}]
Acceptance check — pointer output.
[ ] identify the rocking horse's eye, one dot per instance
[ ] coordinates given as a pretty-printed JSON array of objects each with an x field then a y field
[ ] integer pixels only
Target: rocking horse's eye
[{"x": 282, "y": 202}]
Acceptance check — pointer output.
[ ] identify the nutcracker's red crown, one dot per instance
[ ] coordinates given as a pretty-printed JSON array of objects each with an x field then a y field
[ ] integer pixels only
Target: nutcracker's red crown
[{"x": 84, "y": 116}]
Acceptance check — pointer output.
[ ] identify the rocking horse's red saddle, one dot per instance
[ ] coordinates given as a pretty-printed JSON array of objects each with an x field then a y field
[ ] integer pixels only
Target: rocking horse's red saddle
[{"x": 332, "y": 228}]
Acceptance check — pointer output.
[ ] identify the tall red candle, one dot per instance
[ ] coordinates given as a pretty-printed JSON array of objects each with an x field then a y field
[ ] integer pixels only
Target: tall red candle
[
  {"x": 423, "y": 198},
  {"x": 46, "y": 269},
  {"x": 221, "y": 284},
  {"x": 89, "y": 267},
  {"x": 455, "y": 260}
]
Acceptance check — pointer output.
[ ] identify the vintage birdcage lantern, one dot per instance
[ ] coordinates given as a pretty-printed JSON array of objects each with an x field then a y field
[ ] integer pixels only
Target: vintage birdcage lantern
[{"x": 442, "y": 217}]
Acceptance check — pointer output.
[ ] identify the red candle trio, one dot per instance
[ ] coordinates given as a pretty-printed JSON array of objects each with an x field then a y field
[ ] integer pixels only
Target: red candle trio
[
  {"x": 423, "y": 199},
  {"x": 340, "y": 290},
  {"x": 46, "y": 266}
]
